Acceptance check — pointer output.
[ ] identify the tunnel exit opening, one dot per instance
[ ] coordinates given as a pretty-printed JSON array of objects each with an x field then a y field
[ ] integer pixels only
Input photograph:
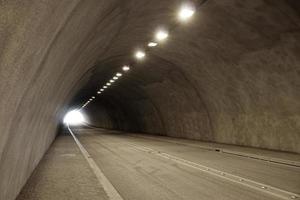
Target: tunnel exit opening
[{"x": 74, "y": 118}]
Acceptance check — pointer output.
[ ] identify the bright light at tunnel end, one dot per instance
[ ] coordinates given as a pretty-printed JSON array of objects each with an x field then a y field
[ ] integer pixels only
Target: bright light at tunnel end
[{"x": 74, "y": 117}]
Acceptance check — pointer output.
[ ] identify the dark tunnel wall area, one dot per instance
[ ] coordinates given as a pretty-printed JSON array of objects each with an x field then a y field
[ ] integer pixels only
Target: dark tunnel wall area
[{"x": 229, "y": 75}]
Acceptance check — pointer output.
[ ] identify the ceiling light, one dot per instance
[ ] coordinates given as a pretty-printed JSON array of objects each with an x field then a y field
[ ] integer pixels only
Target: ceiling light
[
  {"x": 125, "y": 68},
  {"x": 118, "y": 74},
  {"x": 186, "y": 12},
  {"x": 152, "y": 44},
  {"x": 140, "y": 54},
  {"x": 93, "y": 97},
  {"x": 101, "y": 90},
  {"x": 105, "y": 86},
  {"x": 108, "y": 83},
  {"x": 115, "y": 77},
  {"x": 111, "y": 81},
  {"x": 161, "y": 35}
]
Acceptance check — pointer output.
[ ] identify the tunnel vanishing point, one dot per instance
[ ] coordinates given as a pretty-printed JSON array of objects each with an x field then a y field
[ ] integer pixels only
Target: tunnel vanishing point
[{"x": 201, "y": 85}]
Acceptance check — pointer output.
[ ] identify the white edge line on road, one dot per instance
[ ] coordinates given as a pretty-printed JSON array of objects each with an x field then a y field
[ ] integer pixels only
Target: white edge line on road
[
  {"x": 236, "y": 179},
  {"x": 109, "y": 189}
]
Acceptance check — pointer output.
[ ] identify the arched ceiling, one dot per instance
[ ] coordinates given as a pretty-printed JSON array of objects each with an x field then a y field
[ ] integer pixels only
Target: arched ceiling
[{"x": 230, "y": 75}]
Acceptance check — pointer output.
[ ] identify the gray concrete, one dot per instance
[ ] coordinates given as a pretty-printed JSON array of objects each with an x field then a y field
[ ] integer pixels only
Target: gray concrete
[
  {"x": 139, "y": 175},
  {"x": 63, "y": 174},
  {"x": 230, "y": 76}
]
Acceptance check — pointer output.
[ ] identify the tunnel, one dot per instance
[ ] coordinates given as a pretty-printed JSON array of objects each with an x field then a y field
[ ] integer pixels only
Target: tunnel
[{"x": 228, "y": 76}]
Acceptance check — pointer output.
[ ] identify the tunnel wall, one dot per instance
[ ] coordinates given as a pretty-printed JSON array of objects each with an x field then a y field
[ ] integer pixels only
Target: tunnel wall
[
  {"x": 234, "y": 79},
  {"x": 231, "y": 76},
  {"x": 45, "y": 48}
]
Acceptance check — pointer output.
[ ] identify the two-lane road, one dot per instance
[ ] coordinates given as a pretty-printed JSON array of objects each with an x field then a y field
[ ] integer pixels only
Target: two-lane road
[{"x": 140, "y": 168}]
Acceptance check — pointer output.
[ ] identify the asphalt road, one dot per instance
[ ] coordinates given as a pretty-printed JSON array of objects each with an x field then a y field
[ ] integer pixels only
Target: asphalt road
[
  {"x": 140, "y": 168},
  {"x": 111, "y": 165}
]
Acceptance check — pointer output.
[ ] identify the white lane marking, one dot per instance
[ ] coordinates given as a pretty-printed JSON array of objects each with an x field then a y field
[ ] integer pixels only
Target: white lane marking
[
  {"x": 109, "y": 189},
  {"x": 227, "y": 151},
  {"x": 283, "y": 194}
]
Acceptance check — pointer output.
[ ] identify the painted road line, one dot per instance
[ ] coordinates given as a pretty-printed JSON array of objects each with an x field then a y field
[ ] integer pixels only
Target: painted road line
[
  {"x": 283, "y": 194},
  {"x": 227, "y": 151},
  {"x": 109, "y": 189}
]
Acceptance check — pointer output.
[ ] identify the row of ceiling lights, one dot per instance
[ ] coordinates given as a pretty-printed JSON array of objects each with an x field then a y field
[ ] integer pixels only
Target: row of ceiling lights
[{"x": 185, "y": 12}]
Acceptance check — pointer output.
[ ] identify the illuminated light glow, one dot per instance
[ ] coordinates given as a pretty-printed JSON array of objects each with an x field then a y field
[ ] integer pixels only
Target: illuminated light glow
[
  {"x": 161, "y": 35},
  {"x": 74, "y": 117},
  {"x": 101, "y": 90},
  {"x": 125, "y": 68},
  {"x": 186, "y": 12},
  {"x": 108, "y": 83},
  {"x": 115, "y": 77},
  {"x": 112, "y": 81},
  {"x": 140, "y": 54},
  {"x": 152, "y": 44},
  {"x": 105, "y": 86},
  {"x": 93, "y": 97},
  {"x": 118, "y": 74}
]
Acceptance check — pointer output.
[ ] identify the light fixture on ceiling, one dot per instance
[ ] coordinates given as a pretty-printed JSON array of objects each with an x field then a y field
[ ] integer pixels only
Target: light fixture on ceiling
[
  {"x": 108, "y": 84},
  {"x": 118, "y": 74},
  {"x": 115, "y": 77},
  {"x": 185, "y": 12},
  {"x": 101, "y": 90},
  {"x": 125, "y": 68},
  {"x": 98, "y": 92},
  {"x": 105, "y": 86},
  {"x": 161, "y": 35},
  {"x": 152, "y": 44},
  {"x": 111, "y": 80},
  {"x": 93, "y": 97},
  {"x": 140, "y": 54}
]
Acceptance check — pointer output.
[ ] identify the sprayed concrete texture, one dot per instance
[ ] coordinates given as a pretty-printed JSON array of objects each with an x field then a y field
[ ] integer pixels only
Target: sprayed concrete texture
[
  {"x": 62, "y": 174},
  {"x": 231, "y": 75}
]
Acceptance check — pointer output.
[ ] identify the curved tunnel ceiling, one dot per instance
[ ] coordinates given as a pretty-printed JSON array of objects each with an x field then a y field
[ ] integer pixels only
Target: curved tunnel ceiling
[{"x": 230, "y": 75}]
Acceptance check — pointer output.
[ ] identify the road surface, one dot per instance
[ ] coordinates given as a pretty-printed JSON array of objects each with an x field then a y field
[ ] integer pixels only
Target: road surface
[{"x": 145, "y": 168}]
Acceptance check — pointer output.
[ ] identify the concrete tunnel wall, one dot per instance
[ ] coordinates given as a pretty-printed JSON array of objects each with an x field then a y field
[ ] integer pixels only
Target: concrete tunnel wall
[{"x": 232, "y": 75}]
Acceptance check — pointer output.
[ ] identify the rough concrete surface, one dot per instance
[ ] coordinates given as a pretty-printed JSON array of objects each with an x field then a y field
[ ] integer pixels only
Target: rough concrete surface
[
  {"x": 231, "y": 75},
  {"x": 63, "y": 174}
]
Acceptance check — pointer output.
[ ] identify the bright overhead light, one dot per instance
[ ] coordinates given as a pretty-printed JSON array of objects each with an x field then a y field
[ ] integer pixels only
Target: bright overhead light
[
  {"x": 152, "y": 44},
  {"x": 186, "y": 12},
  {"x": 108, "y": 83},
  {"x": 140, "y": 54},
  {"x": 93, "y": 97},
  {"x": 125, "y": 68},
  {"x": 74, "y": 117},
  {"x": 118, "y": 74},
  {"x": 105, "y": 86},
  {"x": 161, "y": 35},
  {"x": 112, "y": 81},
  {"x": 115, "y": 77},
  {"x": 101, "y": 90}
]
